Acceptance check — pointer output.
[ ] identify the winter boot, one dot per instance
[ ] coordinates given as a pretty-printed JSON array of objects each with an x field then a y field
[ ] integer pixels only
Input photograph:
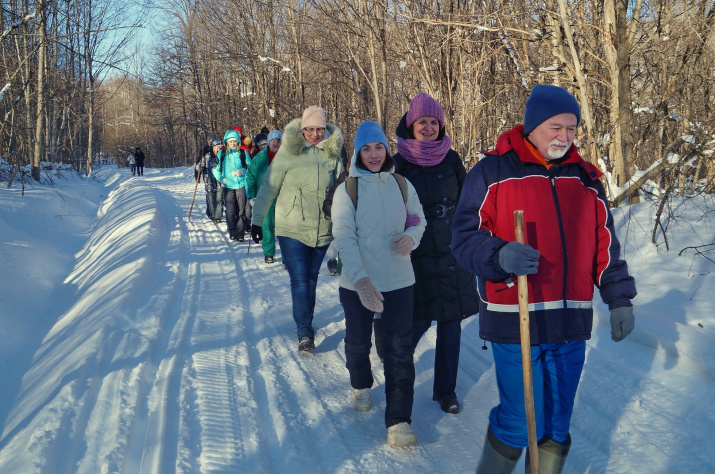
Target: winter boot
[
  {"x": 306, "y": 344},
  {"x": 333, "y": 266},
  {"x": 377, "y": 324},
  {"x": 552, "y": 456},
  {"x": 362, "y": 399},
  {"x": 401, "y": 435},
  {"x": 497, "y": 457},
  {"x": 269, "y": 259},
  {"x": 449, "y": 405}
]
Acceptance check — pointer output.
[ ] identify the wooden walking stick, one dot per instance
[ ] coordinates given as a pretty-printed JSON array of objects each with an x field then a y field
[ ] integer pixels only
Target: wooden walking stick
[
  {"x": 198, "y": 178},
  {"x": 526, "y": 351}
]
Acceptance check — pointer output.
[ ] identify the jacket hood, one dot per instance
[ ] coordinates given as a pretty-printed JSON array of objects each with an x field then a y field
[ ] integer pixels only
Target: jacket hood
[
  {"x": 294, "y": 143},
  {"x": 231, "y": 134},
  {"x": 514, "y": 140},
  {"x": 405, "y": 132}
]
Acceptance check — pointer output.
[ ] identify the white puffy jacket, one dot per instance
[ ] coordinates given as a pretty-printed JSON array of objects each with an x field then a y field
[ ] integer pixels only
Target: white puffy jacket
[{"x": 364, "y": 238}]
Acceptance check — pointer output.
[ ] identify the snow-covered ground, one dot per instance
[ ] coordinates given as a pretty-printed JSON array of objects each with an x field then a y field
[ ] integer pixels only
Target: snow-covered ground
[{"x": 135, "y": 340}]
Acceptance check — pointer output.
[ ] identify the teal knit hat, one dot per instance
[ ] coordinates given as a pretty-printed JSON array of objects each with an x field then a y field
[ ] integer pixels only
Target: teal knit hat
[{"x": 369, "y": 132}]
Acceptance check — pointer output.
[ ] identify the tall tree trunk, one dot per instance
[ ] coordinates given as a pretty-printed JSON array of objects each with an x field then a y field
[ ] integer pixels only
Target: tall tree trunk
[{"x": 39, "y": 123}]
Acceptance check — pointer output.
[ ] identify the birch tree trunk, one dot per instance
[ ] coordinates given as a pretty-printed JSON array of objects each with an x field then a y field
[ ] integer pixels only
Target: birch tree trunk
[{"x": 39, "y": 123}]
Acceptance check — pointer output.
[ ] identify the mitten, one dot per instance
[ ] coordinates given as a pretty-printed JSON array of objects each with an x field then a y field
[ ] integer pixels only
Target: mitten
[
  {"x": 412, "y": 220},
  {"x": 519, "y": 259},
  {"x": 369, "y": 296},
  {"x": 223, "y": 181},
  {"x": 252, "y": 201},
  {"x": 256, "y": 233},
  {"x": 402, "y": 244},
  {"x": 622, "y": 322}
]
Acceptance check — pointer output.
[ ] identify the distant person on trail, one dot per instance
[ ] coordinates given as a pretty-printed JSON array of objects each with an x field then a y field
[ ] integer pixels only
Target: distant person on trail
[
  {"x": 254, "y": 179},
  {"x": 231, "y": 173},
  {"x": 445, "y": 292},
  {"x": 297, "y": 180},
  {"x": 377, "y": 222},
  {"x": 139, "y": 157},
  {"x": 206, "y": 149},
  {"x": 571, "y": 245},
  {"x": 214, "y": 195},
  {"x": 133, "y": 163}
]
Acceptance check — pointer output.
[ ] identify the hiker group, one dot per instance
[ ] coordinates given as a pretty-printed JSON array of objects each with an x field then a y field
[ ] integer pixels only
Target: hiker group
[{"x": 410, "y": 232}]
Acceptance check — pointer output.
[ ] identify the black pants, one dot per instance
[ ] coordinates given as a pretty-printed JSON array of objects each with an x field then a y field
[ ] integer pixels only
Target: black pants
[
  {"x": 399, "y": 365},
  {"x": 140, "y": 169},
  {"x": 237, "y": 209}
]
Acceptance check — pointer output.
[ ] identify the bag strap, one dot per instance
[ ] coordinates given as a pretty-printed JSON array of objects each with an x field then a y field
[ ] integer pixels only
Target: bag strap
[
  {"x": 403, "y": 185},
  {"x": 352, "y": 188}
]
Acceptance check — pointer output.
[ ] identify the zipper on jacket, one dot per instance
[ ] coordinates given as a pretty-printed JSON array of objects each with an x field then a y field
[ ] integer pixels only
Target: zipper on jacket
[{"x": 563, "y": 241}]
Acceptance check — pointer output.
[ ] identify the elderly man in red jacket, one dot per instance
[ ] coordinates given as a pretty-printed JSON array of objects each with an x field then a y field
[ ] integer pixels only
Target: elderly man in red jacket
[{"x": 571, "y": 246}]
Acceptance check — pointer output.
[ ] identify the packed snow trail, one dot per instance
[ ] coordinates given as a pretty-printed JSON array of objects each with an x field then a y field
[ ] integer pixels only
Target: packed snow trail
[{"x": 175, "y": 351}]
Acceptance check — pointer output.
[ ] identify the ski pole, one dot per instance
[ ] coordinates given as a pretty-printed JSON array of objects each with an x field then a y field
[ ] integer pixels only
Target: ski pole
[
  {"x": 526, "y": 350},
  {"x": 198, "y": 178}
]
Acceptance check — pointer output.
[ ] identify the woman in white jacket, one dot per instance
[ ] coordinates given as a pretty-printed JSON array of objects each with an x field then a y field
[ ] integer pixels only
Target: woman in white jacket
[{"x": 374, "y": 236}]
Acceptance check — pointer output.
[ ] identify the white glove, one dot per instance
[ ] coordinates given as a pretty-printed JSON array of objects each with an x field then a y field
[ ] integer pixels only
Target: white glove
[
  {"x": 252, "y": 201},
  {"x": 223, "y": 181}
]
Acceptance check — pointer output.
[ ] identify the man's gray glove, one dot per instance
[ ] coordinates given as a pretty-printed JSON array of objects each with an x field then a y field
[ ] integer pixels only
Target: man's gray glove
[
  {"x": 519, "y": 259},
  {"x": 622, "y": 322},
  {"x": 370, "y": 297}
]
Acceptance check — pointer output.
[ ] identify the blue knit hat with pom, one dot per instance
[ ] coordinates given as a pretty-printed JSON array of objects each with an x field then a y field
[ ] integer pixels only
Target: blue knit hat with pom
[
  {"x": 545, "y": 102},
  {"x": 369, "y": 132}
]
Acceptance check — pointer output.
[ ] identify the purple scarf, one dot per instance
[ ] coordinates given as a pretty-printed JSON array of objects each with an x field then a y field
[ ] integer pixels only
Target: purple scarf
[{"x": 424, "y": 153}]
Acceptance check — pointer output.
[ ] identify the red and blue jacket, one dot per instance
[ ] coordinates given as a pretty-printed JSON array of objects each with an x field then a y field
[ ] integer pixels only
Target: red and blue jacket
[{"x": 566, "y": 218}]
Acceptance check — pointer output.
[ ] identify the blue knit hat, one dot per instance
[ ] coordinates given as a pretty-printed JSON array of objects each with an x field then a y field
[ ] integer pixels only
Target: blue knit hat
[
  {"x": 547, "y": 101},
  {"x": 369, "y": 132},
  {"x": 274, "y": 134}
]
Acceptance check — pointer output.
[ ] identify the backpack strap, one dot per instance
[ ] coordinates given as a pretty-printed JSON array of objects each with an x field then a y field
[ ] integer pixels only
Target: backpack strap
[
  {"x": 352, "y": 189},
  {"x": 403, "y": 185}
]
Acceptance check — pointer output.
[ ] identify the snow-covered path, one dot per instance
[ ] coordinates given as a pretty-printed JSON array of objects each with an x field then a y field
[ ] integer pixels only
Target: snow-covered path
[{"x": 170, "y": 349}]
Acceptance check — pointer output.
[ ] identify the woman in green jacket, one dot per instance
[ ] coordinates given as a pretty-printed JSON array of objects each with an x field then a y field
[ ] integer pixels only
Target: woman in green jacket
[
  {"x": 254, "y": 178},
  {"x": 297, "y": 181}
]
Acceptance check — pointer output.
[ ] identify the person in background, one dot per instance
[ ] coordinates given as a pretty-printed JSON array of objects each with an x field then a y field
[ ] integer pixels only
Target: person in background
[
  {"x": 132, "y": 163},
  {"x": 206, "y": 149},
  {"x": 571, "y": 246},
  {"x": 214, "y": 195},
  {"x": 375, "y": 243},
  {"x": 254, "y": 178},
  {"x": 139, "y": 157},
  {"x": 231, "y": 173},
  {"x": 299, "y": 177},
  {"x": 445, "y": 292},
  {"x": 260, "y": 141}
]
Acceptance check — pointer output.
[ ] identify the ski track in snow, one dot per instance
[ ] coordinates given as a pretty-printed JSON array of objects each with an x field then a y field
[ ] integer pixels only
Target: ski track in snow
[{"x": 186, "y": 360}]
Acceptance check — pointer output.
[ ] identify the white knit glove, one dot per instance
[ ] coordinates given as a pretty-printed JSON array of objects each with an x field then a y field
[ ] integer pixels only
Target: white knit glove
[
  {"x": 402, "y": 244},
  {"x": 369, "y": 296}
]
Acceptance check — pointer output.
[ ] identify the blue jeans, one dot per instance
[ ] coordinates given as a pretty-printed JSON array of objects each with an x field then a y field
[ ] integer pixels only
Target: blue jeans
[
  {"x": 397, "y": 346},
  {"x": 303, "y": 265},
  {"x": 556, "y": 372},
  {"x": 446, "y": 357}
]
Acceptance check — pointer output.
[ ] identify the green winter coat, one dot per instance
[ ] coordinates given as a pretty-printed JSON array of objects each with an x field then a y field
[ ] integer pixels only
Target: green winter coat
[
  {"x": 254, "y": 175},
  {"x": 298, "y": 180}
]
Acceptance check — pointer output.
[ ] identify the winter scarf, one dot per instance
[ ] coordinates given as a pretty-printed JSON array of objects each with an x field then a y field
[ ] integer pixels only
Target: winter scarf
[{"x": 424, "y": 153}]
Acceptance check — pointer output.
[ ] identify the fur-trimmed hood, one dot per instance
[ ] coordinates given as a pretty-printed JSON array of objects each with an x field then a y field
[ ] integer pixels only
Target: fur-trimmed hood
[{"x": 293, "y": 142}]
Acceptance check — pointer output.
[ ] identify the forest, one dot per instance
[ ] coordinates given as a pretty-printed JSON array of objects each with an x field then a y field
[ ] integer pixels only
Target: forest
[{"x": 85, "y": 81}]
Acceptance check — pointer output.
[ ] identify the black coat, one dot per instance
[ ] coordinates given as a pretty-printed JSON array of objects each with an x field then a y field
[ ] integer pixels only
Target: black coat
[{"x": 444, "y": 290}]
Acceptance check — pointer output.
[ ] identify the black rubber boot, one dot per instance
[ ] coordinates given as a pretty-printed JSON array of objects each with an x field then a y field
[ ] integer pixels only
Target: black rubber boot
[
  {"x": 497, "y": 457},
  {"x": 552, "y": 456}
]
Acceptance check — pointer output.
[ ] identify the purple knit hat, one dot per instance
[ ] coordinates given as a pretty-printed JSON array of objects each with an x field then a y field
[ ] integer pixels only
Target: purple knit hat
[{"x": 423, "y": 105}]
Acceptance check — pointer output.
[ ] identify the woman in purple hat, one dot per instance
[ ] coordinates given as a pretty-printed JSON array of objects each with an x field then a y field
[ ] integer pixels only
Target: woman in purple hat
[{"x": 444, "y": 291}]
